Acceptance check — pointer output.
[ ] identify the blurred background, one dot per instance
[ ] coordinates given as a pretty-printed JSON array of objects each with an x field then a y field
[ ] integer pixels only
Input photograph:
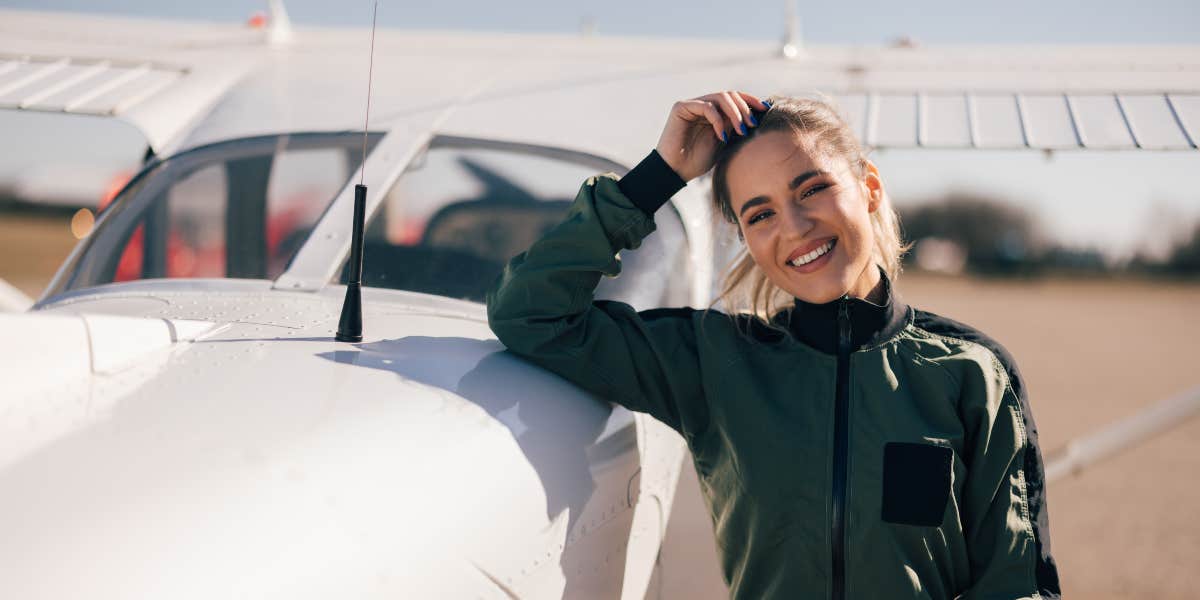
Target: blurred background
[{"x": 1085, "y": 264}]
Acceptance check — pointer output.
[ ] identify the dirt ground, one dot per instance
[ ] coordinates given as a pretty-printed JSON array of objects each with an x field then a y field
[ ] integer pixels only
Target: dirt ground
[
  {"x": 1092, "y": 352},
  {"x": 32, "y": 246}
]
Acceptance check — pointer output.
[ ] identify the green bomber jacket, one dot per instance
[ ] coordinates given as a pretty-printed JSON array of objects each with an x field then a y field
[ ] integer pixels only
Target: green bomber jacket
[{"x": 845, "y": 450}]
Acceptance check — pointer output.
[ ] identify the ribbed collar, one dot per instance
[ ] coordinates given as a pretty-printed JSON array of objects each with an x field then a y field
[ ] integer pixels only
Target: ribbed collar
[{"x": 817, "y": 324}]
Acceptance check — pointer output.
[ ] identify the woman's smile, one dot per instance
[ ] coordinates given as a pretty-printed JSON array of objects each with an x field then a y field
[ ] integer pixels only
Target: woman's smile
[{"x": 807, "y": 261}]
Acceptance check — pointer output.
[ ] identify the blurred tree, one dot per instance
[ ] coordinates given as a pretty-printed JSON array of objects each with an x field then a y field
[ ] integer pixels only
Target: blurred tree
[
  {"x": 996, "y": 236},
  {"x": 1185, "y": 256}
]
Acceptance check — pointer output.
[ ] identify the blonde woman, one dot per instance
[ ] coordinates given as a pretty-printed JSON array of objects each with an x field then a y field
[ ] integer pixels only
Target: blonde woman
[{"x": 848, "y": 445}]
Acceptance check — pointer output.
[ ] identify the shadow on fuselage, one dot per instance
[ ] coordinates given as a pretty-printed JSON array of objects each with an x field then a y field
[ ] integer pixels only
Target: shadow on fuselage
[{"x": 555, "y": 425}]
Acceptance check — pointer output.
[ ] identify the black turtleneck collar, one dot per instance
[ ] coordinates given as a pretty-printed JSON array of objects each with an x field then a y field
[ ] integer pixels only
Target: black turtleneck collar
[{"x": 817, "y": 324}]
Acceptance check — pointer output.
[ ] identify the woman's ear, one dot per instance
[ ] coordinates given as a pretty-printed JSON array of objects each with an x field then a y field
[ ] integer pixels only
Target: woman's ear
[{"x": 874, "y": 184}]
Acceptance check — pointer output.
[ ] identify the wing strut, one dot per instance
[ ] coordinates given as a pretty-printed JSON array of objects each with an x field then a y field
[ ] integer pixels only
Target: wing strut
[{"x": 1135, "y": 429}]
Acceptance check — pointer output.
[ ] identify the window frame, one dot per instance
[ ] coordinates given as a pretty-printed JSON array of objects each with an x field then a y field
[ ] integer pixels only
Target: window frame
[{"x": 132, "y": 205}]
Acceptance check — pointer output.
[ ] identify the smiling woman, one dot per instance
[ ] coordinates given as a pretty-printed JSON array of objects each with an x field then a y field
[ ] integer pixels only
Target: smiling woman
[
  {"x": 803, "y": 195},
  {"x": 848, "y": 445}
]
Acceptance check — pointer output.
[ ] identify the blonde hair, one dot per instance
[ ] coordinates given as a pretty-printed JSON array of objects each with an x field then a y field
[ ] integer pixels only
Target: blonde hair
[{"x": 829, "y": 132}]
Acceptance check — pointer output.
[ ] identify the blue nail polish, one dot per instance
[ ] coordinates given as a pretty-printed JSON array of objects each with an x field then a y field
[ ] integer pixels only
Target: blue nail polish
[
  {"x": 753, "y": 121},
  {"x": 767, "y": 104},
  {"x": 742, "y": 128},
  {"x": 724, "y": 138}
]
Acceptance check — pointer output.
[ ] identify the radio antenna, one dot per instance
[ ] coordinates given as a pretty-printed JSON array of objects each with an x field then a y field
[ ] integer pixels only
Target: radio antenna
[
  {"x": 350, "y": 324},
  {"x": 370, "y": 71}
]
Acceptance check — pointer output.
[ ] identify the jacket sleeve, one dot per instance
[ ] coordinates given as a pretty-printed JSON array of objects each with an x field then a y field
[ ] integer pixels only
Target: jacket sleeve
[
  {"x": 542, "y": 308},
  {"x": 1004, "y": 515}
]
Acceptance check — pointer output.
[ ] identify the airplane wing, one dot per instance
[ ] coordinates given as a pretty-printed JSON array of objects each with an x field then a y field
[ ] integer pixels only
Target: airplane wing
[
  {"x": 183, "y": 84},
  {"x": 158, "y": 75}
]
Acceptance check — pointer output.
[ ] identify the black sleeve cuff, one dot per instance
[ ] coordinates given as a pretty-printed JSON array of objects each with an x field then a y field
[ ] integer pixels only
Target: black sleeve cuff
[{"x": 651, "y": 183}]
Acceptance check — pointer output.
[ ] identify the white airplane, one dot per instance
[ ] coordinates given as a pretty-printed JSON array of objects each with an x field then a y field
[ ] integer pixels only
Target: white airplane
[{"x": 178, "y": 419}]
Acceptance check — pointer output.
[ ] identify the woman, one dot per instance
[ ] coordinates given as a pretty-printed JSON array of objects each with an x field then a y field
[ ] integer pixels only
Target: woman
[{"x": 848, "y": 445}]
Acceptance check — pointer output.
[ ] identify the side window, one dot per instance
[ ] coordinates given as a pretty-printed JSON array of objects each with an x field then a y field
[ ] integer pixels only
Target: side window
[
  {"x": 193, "y": 215},
  {"x": 240, "y": 209},
  {"x": 196, "y": 211},
  {"x": 241, "y": 216},
  {"x": 456, "y": 217}
]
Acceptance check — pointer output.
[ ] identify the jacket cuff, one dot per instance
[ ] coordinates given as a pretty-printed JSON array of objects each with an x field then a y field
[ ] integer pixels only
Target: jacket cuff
[{"x": 651, "y": 183}]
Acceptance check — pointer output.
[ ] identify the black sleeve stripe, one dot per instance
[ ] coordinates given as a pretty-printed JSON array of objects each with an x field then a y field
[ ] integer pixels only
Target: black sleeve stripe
[
  {"x": 1035, "y": 477},
  {"x": 651, "y": 183},
  {"x": 684, "y": 312}
]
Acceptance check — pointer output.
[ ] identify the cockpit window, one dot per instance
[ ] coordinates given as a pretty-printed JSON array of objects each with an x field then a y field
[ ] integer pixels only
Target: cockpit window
[
  {"x": 464, "y": 208},
  {"x": 236, "y": 209}
]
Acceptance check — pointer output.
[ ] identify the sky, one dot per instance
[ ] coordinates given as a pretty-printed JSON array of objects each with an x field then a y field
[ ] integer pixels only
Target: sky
[
  {"x": 1117, "y": 202},
  {"x": 859, "y": 22}
]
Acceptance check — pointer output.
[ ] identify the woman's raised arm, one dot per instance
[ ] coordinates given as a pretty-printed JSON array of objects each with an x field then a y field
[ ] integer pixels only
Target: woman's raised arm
[{"x": 542, "y": 306}]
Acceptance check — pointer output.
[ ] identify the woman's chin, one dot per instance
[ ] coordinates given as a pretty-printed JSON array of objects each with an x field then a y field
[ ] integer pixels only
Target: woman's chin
[
  {"x": 817, "y": 294},
  {"x": 811, "y": 298},
  {"x": 820, "y": 287}
]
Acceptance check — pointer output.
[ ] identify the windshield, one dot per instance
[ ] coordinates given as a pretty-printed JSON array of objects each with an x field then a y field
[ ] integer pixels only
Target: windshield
[
  {"x": 236, "y": 209},
  {"x": 464, "y": 207}
]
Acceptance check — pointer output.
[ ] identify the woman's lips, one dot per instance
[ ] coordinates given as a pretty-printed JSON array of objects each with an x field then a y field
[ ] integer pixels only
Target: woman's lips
[{"x": 817, "y": 263}]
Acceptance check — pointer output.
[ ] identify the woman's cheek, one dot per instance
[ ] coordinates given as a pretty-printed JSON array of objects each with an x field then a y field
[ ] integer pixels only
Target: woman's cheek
[{"x": 760, "y": 252}]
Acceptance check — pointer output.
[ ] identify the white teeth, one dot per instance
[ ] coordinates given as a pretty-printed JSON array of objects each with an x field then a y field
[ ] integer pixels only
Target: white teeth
[{"x": 814, "y": 255}]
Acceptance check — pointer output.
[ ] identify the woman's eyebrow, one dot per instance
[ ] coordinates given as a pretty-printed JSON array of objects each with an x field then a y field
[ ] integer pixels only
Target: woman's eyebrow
[
  {"x": 797, "y": 182},
  {"x": 751, "y": 203},
  {"x": 805, "y": 176}
]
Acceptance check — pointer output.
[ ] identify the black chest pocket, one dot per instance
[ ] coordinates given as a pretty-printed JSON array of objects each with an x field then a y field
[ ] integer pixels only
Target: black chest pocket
[{"x": 916, "y": 483}]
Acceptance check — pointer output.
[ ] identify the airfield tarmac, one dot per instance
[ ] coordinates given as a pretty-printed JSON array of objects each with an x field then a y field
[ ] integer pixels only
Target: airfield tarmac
[{"x": 1092, "y": 351}]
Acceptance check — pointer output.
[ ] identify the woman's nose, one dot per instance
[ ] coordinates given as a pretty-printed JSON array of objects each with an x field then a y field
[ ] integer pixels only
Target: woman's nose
[{"x": 798, "y": 219}]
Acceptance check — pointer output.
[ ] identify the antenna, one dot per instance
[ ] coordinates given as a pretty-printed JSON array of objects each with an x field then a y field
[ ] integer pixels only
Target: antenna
[
  {"x": 350, "y": 324},
  {"x": 279, "y": 25},
  {"x": 793, "y": 44}
]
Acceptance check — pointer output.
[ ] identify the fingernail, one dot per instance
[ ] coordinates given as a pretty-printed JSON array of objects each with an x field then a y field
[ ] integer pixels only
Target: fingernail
[
  {"x": 753, "y": 121},
  {"x": 742, "y": 128},
  {"x": 724, "y": 138},
  {"x": 767, "y": 104}
]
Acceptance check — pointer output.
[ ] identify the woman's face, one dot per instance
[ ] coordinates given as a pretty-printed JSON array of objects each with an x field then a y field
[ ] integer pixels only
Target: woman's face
[{"x": 805, "y": 216}]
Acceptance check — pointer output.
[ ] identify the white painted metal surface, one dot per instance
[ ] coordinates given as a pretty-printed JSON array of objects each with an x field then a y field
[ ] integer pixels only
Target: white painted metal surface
[
  {"x": 79, "y": 86},
  {"x": 231, "y": 81},
  {"x": 424, "y": 462},
  {"x": 12, "y": 299}
]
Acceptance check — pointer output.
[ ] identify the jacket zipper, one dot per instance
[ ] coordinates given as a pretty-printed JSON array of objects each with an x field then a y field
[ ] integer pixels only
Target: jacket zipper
[{"x": 841, "y": 446}]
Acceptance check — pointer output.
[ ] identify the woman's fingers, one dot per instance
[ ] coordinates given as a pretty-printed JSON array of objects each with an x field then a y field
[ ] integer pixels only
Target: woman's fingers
[
  {"x": 744, "y": 111},
  {"x": 738, "y": 108},
  {"x": 703, "y": 109},
  {"x": 752, "y": 100},
  {"x": 726, "y": 111},
  {"x": 732, "y": 112}
]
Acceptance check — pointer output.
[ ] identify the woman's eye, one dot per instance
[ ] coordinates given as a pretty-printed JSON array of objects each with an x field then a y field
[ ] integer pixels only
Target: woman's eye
[
  {"x": 814, "y": 189},
  {"x": 759, "y": 216}
]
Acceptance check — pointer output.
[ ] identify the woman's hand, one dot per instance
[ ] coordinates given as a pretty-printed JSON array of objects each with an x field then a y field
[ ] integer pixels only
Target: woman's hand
[{"x": 697, "y": 128}]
